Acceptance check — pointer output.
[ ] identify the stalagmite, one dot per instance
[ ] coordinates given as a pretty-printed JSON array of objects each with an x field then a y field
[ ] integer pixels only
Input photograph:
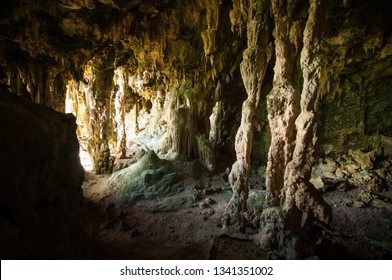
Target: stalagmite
[
  {"x": 282, "y": 103},
  {"x": 298, "y": 204},
  {"x": 181, "y": 138},
  {"x": 299, "y": 193},
  {"x": 253, "y": 67},
  {"x": 120, "y": 114},
  {"x": 100, "y": 81},
  {"x": 216, "y": 118}
]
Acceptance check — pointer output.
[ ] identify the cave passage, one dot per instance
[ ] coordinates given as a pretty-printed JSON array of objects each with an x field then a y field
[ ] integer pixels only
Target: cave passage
[{"x": 201, "y": 129}]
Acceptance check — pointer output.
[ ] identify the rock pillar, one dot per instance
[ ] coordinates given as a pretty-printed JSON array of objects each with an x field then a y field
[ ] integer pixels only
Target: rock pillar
[
  {"x": 300, "y": 195},
  {"x": 99, "y": 77},
  {"x": 253, "y": 67},
  {"x": 282, "y": 103},
  {"x": 296, "y": 203}
]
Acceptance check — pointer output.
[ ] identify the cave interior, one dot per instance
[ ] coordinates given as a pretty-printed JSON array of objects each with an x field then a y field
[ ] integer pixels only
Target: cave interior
[{"x": 196, "y": 129}]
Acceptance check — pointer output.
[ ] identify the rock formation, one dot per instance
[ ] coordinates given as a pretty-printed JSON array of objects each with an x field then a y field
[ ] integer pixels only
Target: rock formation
[
  {"x": 253, "y": 67},
  {"x": 233, "y": 85},
  {"x": 41, "y": 200}
]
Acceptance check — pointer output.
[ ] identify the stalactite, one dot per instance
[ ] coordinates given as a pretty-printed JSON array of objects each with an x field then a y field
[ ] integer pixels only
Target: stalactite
[
  {"x": 40, "y": 83},
  {"x": 209, "y": 35},
  {"x": 18, "y": 83},
  {"x": 55, "y": 98},
  {"x": 253, "y": 67}
]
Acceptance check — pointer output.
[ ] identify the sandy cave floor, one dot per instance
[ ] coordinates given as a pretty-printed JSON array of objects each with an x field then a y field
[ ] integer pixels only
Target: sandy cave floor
[{"x": 145, "y": 231}]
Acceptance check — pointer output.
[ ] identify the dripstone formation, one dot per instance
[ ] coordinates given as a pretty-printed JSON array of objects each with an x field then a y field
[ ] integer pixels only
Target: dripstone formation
[{"x": 222, "y": 86}]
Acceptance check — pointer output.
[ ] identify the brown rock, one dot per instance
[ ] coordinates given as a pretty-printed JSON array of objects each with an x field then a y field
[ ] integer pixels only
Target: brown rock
[
  {"x": 364, "y": 160},
  {"x": 352, "y": 168},
  {"x": 317, "y": 183},
  {"x": 365, "y": 197},
  {"x": 386, "y": 144},
  {"x": 339, "y": 173}
]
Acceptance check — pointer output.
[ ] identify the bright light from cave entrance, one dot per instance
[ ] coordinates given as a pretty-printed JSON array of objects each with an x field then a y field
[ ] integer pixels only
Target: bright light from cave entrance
[
  {"x": 70, "y": 105},
  {"x": 85, "y": 160}
]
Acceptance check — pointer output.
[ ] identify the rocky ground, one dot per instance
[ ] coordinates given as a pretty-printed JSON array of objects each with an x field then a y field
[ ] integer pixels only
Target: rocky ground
[{"x": 192, "y": 225}]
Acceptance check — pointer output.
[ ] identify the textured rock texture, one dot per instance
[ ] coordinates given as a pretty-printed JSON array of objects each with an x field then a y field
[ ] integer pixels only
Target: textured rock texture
[
  {"x": 299, "y": 193},
  {"x": 41, "y": 176},
  {"x": 289, "y": 168},
  {"x": 253, "y": 67},
  {"x": 148, "y": 178},
  {"x": 272, "y": 83},
  {"x": 283, "y": 100}
]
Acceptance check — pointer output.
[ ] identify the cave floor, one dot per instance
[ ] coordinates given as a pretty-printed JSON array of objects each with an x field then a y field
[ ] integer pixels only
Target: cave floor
[
  {"x": 148, "y": 230},
  {"x": 190, "y": 232}
]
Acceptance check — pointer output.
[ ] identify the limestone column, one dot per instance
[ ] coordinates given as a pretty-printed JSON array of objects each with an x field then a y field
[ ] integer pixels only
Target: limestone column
[
  {"x": 295, "y": 203},
  {"x": 282, "y": 103},
  {"x": 303, "y": 202},
  {"x": 102, "y": 87},
  {"x": 119, "y": 103},
  {"x": 253, "y": 67},
  {"x": 99, "y": 77}
]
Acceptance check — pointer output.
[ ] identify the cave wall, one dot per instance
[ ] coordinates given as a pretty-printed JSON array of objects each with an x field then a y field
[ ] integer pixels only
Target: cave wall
[
  {"x": 41, "y": 200},
  {"x": 356, "y": 52},
  {"x": 357, "y": 55}
]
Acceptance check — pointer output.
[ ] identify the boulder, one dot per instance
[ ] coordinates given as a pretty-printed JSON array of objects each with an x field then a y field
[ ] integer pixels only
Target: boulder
[
  {"x": 317, "y": 183},
  {"x": 331, "y": 163},
  {"x": 352, "y": 168},
  {"x": 386, "y": 144},
  {"x": 365, "y": 197},
  {"x": 339, "y": 173},
  {"x": 149, "y": 178},
  {"x": 388, "y": 181},
  {"x": 321, "y": 169},
  {"x": 364, "y": 160},
  {"x": 359, "y": 204},
  {"x": 378, "y": 203}
]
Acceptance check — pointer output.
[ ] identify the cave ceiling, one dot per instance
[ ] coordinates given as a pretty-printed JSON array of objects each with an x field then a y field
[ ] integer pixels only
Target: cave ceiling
[
  {"x": 175, "y": 37},
  {"x": 162, "y": 36},
  {"x": 203, "y": 41}
]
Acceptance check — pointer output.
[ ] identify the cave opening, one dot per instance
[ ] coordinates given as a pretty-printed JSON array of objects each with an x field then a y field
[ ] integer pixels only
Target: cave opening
[{"x": 237, "y": 129}]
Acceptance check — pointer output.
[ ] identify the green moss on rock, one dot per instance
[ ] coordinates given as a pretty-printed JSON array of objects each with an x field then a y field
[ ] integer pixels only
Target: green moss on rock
[{"x": 150, "y": 178}]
